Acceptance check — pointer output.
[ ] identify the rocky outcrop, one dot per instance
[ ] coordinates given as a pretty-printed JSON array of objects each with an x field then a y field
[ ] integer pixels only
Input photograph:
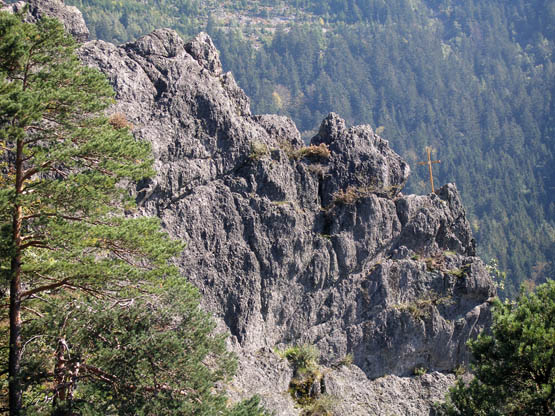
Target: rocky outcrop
[
  {"x": 70, "y": 16},
  {"x": 294, "y": 244},
  {"x": 355, "y": 395},
  {"x": 290, "y": 245}
]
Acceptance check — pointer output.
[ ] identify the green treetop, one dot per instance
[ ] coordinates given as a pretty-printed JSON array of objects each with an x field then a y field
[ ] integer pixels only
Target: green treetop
[
  {"x": 153, "y": 353},
  {"x": 514, "y": 366}
]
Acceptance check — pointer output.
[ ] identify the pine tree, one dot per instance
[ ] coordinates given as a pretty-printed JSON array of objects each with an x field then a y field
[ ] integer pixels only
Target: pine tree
[
  {"x": 143, "y": 355},
  {"x": 82, "y": 323},
  {"x": 60, "y": 204},
  {"x": 514, "y": 366}
]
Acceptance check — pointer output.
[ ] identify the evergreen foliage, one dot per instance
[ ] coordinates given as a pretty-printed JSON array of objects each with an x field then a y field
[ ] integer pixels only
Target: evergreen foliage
[
  {"x": 151, "y": 353},
  {"x": 99, "y": 320},
  {"x": 122, "y": 21},
  {"x": 515, "y": 365}
]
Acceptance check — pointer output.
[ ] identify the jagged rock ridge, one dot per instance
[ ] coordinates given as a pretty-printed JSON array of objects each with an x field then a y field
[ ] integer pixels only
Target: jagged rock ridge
[
  {"x": 287, "y": 249},
  {"x": 289, "y": 245}
]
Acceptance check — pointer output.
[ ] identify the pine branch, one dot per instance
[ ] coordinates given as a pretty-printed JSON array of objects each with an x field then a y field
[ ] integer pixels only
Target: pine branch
[
  {"x": 57, "y": 215},
  {"x": 30, "y": 172},
  {"x": 109, "y": 378},
  {"x": 36, "y": 244},
  {"x": 31, "y": 236},
  {"x": 40, "y": 315},
  {"x": 39, "y": 289}
]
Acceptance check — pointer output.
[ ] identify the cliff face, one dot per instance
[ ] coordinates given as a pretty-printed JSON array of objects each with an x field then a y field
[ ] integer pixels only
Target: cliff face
[
  {"x": 287, "y": 243},
  {"x": 291, "y": 244}
]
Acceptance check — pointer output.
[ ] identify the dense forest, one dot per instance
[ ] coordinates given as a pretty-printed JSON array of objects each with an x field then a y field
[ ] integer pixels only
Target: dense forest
[{"x": 474, "y": 80}]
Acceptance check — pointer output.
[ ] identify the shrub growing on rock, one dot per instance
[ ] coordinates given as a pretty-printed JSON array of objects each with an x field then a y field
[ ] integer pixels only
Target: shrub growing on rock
[{"x": 514, "y": 366}]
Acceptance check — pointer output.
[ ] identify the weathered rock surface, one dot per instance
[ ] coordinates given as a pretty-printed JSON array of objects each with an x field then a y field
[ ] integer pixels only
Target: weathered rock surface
[
  {"x": 388, "y": 395},
  {"x": 278, "y": 255},
  {"x": 70, "y": 16},
  {"x": 290, "y": 246}
]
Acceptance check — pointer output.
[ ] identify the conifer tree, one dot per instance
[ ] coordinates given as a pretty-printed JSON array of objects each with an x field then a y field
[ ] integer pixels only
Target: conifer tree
[
  {"x": 86, "y": 335},
  {"x": 60, "y": 207},
  {"x": 515, "y": 365},
  {"x": 143, "y": 355}
]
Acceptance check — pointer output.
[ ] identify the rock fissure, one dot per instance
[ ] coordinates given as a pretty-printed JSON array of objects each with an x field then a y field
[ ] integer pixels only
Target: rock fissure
[{"x": 198, "y": 182}]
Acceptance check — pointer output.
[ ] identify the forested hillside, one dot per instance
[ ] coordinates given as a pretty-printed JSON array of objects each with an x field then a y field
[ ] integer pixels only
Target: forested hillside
[{"x": 474, "y": 80}]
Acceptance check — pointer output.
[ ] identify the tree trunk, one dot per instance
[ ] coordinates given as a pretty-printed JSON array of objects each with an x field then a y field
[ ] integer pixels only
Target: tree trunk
[
  {"x": 60, "y": 376},
  {"x": 15, "y": 333},
  {"x": 14, "y": 364}
]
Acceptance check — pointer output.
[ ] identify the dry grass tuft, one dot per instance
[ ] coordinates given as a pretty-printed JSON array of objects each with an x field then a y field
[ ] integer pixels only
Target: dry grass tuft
[
  {"x": 119, "y": 121},
  {"x": 348, "y": 196},
  {"x": 321, "y": 150}
]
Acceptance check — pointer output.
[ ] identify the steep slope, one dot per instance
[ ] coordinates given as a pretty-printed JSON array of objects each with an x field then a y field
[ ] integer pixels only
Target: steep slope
[{"x": 291, "y": 244}]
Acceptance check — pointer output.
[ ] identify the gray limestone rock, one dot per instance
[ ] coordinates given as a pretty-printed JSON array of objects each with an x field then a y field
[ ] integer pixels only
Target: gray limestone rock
[
  {"x": 355, "y": 395},
  {"x": 265, "y": 374},
  {"x": 361, "y": 160},
  {"x": 70, "y": 16},
  {"x": 291, "y": 245},
  {"x": 202, "y": 49}
]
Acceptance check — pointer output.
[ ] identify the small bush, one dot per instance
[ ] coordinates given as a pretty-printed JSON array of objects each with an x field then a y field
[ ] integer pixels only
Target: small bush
[
  {"x": 420, "y": 308},
  {"x": 302, "y": 356},
  {"x": 307, "y": 385},
  {"x": 324, "y": 405},
  {"x": 458, "y": 273},
  {"x": 119, "y": 121},
  {"x": 321, "y": 150},
  {"x": 496, "y": 275},
  {"x": 347, "y": 360},
  {"x": 353, "y": 193},
  {"x": 288, "y": 148},
  {"x": 420, "y": 371},
  {"x": 346, "y": 197},
  {"x": 459, "y": 370},
  {"x": 258, "y": 150}
]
